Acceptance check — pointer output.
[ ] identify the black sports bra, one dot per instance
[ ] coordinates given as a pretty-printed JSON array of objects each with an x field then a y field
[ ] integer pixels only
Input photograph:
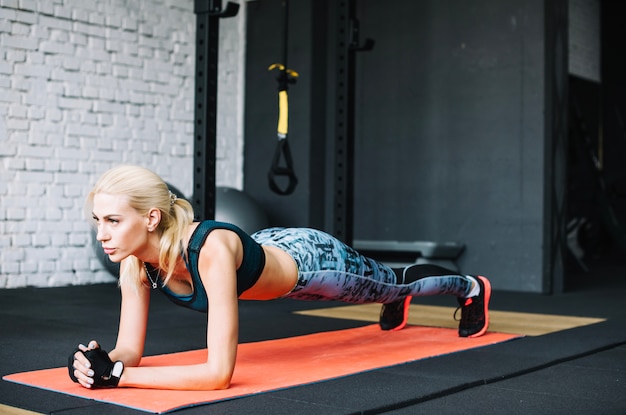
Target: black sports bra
[{"x": 248, "y": 272}]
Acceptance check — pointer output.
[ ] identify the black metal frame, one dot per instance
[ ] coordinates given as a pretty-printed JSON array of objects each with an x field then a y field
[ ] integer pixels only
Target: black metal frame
[
  {"x": 208, "y": 13},
  {"x": 347, "y": 44},
  {"x": 556, "y": 146}
]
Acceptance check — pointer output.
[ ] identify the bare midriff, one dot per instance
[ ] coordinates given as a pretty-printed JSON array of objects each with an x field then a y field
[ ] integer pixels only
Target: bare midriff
[{"x": 278, "y": 278}]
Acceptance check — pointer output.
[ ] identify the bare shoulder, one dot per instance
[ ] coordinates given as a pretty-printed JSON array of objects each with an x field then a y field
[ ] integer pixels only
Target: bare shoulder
[{"x": 220, "y": 257}]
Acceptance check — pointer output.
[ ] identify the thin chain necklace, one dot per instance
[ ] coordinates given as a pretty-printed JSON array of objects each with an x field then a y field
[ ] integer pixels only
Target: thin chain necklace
[{"x": 154, "y": 282}]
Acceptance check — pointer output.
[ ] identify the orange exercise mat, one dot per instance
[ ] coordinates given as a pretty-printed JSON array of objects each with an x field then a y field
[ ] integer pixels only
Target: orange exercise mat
[{"x": 277, "y": 364}]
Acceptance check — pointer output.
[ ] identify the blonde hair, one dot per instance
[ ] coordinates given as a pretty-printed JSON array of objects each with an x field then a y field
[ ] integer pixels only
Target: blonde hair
[{"x": 146, "y": 190}]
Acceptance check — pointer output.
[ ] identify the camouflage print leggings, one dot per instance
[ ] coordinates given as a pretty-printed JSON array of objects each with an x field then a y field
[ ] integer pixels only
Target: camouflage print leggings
[{"x": 330, "y": 270}]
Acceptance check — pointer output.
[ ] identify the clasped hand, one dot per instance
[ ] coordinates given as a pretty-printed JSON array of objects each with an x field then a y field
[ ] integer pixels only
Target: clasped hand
[{"x": 91, "y": 367}]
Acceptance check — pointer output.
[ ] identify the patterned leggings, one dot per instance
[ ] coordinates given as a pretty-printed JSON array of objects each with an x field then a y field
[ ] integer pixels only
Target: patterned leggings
[{"x": 330, "y": 270}]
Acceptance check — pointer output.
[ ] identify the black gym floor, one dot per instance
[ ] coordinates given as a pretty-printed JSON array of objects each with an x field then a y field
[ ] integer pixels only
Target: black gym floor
[{"x": 575, "y": 371}]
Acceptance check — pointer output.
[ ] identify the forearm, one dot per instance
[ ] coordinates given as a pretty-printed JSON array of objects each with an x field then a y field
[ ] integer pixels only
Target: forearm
[
  {"x": 189, "y": 377},
  {"x": 128, "y": 357}
]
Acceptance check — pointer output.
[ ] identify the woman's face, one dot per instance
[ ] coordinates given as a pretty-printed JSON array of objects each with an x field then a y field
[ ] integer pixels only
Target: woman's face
[{"x": 121, "y": 229}]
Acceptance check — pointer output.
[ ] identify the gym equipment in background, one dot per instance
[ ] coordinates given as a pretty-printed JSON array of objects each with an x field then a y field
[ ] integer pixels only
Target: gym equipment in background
[
  {"x": 397, "y": 254},
  {"x": 285, "y": 77},
  {"x": 237, "y": 207},
  {"x": 208, "y": 14}
]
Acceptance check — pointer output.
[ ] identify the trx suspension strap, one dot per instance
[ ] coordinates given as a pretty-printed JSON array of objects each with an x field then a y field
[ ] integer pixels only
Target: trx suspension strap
[{"x": 285, "y": 77}]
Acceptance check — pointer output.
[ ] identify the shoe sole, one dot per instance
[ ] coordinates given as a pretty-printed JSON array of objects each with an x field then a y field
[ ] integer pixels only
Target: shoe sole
[
  {"x": 405, "y": 311},
  {"x": 487, "y": 297}
]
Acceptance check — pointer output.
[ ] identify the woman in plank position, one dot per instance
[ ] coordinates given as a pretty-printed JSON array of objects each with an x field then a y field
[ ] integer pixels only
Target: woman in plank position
[{"x": 209, "y": 265}]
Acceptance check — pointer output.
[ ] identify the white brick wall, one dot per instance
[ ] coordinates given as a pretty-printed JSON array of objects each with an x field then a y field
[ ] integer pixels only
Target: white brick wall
[{"x": 85, "y": 85}]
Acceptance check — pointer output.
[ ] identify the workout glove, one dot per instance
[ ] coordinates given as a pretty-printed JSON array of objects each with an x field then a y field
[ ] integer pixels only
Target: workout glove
[{"x": 106, "y": 373}]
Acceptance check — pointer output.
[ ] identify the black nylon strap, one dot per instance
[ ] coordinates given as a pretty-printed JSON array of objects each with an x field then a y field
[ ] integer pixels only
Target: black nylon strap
[{"x": 282, "y": 148}]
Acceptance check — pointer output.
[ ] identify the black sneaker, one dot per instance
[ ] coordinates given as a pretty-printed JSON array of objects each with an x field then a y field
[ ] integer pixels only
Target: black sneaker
[
  {"x": 475, "y": 311},
  {"x": 394, "y": 316}
]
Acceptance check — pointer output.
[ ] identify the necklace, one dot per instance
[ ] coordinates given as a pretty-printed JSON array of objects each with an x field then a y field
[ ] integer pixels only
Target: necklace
[{"x": 154, "y": 282}]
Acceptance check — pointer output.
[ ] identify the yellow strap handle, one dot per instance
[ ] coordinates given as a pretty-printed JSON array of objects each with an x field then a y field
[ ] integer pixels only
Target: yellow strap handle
[
  {"x": 283, "y": 101},
  {"x": 283, "y": 114}
]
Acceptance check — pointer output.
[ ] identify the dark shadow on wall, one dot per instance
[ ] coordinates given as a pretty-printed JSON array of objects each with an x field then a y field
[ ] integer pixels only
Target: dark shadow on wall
[{"x": 597, "y": 163}]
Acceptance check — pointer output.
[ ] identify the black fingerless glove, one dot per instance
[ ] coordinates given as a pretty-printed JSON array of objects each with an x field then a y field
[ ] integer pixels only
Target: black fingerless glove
[{"x": 107, "y": 374}]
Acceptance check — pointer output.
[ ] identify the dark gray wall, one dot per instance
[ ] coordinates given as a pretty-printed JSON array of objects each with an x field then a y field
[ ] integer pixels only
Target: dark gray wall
[
  {"x": 449, "y": 127},
  {"x": 306, "y": 55},
  {"x": 449, "y": 143}
]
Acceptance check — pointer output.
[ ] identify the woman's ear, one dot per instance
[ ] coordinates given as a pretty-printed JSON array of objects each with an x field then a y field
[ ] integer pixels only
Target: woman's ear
[{"x": 153, "y": 219}]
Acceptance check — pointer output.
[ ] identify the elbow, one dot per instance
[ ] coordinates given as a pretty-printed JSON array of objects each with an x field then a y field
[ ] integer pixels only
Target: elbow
[
  {"x": 221, "y": 381},
  {"x": 205, "y": 384},
  {"x": 222, "y": 385},
  {"x": 216, "y": 380}
]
